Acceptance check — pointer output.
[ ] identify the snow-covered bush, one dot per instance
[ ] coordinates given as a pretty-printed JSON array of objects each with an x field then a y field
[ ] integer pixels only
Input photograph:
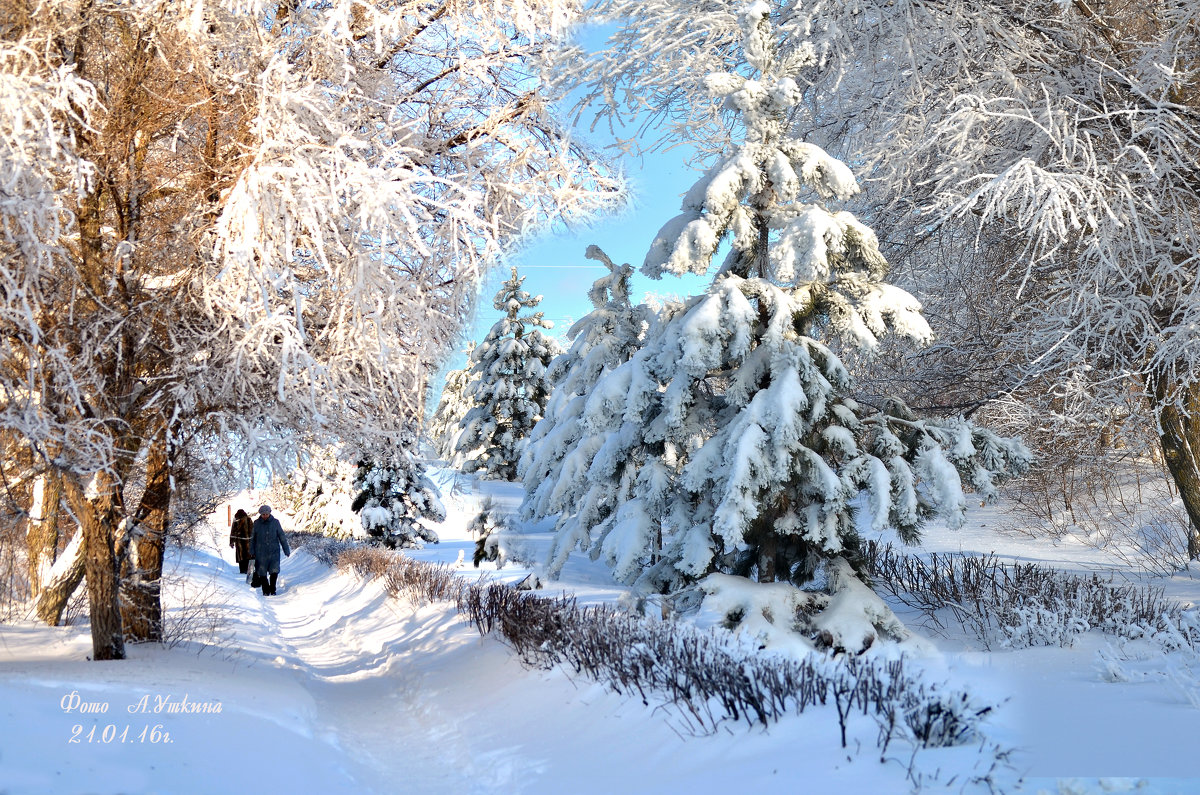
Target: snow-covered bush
[
  {"x": 1173, "y": 657},
  {"x": 509, "y": 389},
  {"x": 846, "y": 617},
  {"x": 1027, "y": 604},
  {"x": 395, "y": 498},
  {"x": 730, "y": 442},
  {"x": 935, "y": 717}
]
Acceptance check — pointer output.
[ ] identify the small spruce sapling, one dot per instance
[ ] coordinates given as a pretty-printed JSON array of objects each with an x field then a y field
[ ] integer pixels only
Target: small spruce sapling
[
  {"x": 488, "y": 527},
  {"x": 395, "y": 498}
]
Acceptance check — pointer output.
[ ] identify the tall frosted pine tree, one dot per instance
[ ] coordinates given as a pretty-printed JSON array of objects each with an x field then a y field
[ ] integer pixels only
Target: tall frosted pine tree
[
  {"x": 510, "y": 388},
  {"x": 729, "y": 442}
]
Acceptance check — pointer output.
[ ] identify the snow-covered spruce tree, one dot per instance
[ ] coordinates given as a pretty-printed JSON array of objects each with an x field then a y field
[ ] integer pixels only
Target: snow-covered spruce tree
[
  {"x": 509, "y": 393},
  {"x": 444, "y": 425},
  {"x": 395, "y": 497},
  {"x": 1055, "y": 152},
  {"x": 562, "y": 446},
  {"x": 737, "y": 446}
]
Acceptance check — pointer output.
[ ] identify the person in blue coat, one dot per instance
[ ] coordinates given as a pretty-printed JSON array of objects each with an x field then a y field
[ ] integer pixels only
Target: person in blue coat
[{"x": 266, "y": 540}]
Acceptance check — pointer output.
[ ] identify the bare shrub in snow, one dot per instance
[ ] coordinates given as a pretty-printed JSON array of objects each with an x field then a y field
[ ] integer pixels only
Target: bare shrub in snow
[
  {"x": 193, "y": 616},
  {"x": 1173, "y": 657},
  {"x": 713, "y": 677},
  {"x": 1026, "y": 604},
  {"x": 403, "y": 577},
  {"x": 709, "y": 677},
  {"x": 1158, "y": 542},
  {"x": 1123, "y": 504},
  {"x": 930, "y": 716},
  {"x": 325, "y": 548}
]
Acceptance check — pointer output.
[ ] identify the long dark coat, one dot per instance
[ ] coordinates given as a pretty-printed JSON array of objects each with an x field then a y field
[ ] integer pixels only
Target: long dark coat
[
  {"x": 239, "y": 538},
  {"x": 266, "y": 541}
]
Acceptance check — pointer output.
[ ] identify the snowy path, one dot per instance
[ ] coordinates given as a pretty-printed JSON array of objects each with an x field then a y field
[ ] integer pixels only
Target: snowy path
[
  {"x": 329, "y": 676},
  {"x": 364, "y": 661}
]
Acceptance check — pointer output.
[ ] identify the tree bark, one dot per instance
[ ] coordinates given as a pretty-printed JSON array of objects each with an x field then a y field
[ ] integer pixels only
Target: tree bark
[
  {"x": 141, "y": 591},
  {"x": 41, "y": 532},
  {"x": 61, "y": 584},
  {"x": 98, "y": 520},
  {"x": 1179, "y": 429}
]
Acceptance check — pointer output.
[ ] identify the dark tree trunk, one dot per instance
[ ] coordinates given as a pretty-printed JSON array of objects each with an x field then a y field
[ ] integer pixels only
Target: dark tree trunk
[
  {"x": 141, "y": 592},
  {"x": 1179, "y": 429},
  {"x": 765, "y": 544},
  {"x": 98, "y": 519},
  {"x": 57, "y": 591},
  {"x": 41, "y": 534},
  {"x": 766, "y": 557}
]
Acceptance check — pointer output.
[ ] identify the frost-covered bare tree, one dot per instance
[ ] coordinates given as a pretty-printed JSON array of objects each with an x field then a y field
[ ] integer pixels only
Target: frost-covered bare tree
[
  {"x": 1064, "y": 134},
  {"x": 222, "y": 217}
]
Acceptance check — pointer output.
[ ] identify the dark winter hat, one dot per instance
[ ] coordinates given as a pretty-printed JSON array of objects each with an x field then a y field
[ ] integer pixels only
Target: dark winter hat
[{"x": 265, "y": 510}]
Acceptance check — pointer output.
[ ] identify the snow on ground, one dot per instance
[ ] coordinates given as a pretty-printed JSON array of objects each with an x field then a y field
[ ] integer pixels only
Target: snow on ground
[{"x": 332, "y": 687}]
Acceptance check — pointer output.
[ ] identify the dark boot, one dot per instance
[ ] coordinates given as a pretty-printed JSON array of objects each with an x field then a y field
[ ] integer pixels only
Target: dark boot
[
  {"x": 274, "y": 578},
  {"x": 243, "y": 566}
]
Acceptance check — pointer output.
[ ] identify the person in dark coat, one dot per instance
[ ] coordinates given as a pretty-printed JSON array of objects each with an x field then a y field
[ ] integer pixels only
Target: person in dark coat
[
  {"x": 266, "y": 540},
  {"x": 239, "y": 538}
]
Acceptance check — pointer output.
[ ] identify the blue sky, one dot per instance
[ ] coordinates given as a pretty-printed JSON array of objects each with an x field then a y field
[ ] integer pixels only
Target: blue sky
[{"x": 554, "y": 264}]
